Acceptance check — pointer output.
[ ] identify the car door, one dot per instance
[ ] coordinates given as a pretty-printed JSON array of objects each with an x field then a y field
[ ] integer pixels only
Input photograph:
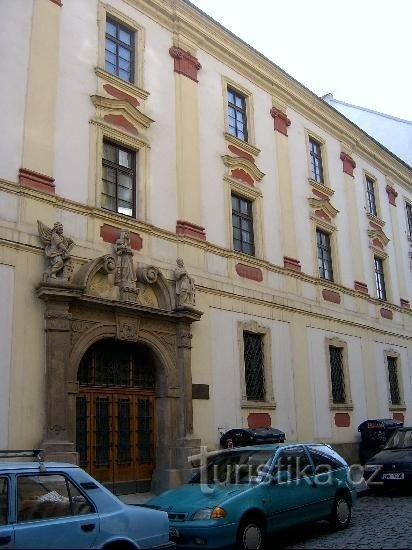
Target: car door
[
  {"x": 52, "y": 513},
  {"x": 292, "y": 492},
  {"x": 6, "y": 529}
]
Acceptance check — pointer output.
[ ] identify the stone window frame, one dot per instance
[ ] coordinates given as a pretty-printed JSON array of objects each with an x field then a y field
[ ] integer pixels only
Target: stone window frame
[
  {"x": 265, "y": 332},
  {"x": 408, "y": 217},
  {"x": 401, "y": 406},
  {"x": 383, "y": 257},
  {"x": 136, "y": 87},
  {"x": 311, "y": 135},
  {"x": 329, "y": 253},
  {"x": 336, "y": 342},
  {"x": 255, "y": 196},
  {"x": 247, "y": 94},
  {"x": 101, "y": 133}
]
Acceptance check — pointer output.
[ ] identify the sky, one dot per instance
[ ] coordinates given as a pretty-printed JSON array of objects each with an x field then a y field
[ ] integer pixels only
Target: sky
[{"x": 358, "y": 50}]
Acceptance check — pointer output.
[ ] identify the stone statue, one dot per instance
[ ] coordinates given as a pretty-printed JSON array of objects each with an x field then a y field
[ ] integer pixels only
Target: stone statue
[
  {"x": 57, "y": 251},
  {"x": 125, "y": 277},
  {"x": 185, "y": 286}
]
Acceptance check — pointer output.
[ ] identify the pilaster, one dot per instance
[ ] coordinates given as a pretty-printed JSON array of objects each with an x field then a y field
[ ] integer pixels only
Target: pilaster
[{"x": 39, "y": 124}]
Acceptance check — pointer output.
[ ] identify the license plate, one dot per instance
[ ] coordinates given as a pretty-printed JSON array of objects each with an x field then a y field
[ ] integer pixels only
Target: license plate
[
  {"x": 173, "y": 532},
  {"x": 393, "y": 476}
]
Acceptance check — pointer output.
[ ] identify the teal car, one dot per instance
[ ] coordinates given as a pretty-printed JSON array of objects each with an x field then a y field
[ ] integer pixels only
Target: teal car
[{"x": 238, "y": 497}]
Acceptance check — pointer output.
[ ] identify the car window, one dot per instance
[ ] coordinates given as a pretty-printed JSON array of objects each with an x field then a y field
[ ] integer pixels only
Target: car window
[
  {"x": 323, "y": 460},
  {"x": 49, "y": 496},
  {"x": 400, "y": 439},
  {"x": 234, "y": 467},
  {"x": 294, "y": 461},
  {"x": 3, "y": 500}
]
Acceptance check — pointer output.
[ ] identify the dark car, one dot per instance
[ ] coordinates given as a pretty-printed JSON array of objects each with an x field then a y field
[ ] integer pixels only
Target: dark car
[
  {"x": 242, "y": 437},
  {"x": 392, "y": 467}
]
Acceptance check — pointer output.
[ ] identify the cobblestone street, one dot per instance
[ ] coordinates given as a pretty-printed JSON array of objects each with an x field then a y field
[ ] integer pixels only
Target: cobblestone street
[{"x": 377, "y": 522}]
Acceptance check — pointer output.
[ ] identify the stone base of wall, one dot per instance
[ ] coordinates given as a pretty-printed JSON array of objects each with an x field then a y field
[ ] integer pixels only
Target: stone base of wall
[{"x": 349, "y": 451}]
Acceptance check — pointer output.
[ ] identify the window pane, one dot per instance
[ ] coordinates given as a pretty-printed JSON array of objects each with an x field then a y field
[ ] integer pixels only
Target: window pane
[
  {"x": 42, "y": 497},
  {"x": 110, "y": 28},
  {"x": 109, "y": 174},
  {"x": 235, "y": 203},
  {"x": 125, "y": 194},
  {"x": 235, "y": 221},
  {"x": 230, "y": 96},
  {"x": 125, "y": 36},
  {"x": 109, "y": 151},
  {"x": 110, "y": 68},
  {"x": 110, "y": 57},
  {"x": 110, "y": 46},
  {"x": 239, "y": 101},
  {"x": 125, "y": 180},
  {"x": 125, "y": 75},
  {"x": 109, "y": 203},
  {"x": 125, "y": 158},
  {"x": 125, "y": 209},
  {"x": 124, "y": 53},
  {"x": 109, "y": 188},
  {"x": 124, "y": 65},
  {"x": 254, "y": 366}
]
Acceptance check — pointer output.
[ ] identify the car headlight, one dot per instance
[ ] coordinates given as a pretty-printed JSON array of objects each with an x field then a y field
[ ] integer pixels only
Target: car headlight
[{"x": 209, "y": 513}]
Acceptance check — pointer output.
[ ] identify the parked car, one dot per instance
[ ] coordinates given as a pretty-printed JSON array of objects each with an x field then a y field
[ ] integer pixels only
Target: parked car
[
  {"x": 244, "y": 437},
  {"x": 374, "y": 434},
  {"x": 392, "y": 466},
  {"x": 242, "y": 495},
  {"x": 55, "y": 505}
]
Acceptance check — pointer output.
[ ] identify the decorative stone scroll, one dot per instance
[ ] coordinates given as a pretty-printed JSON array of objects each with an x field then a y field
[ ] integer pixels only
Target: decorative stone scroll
[
  {"x": 57, "y": 251},
  {"x": 185, "y": 286}
]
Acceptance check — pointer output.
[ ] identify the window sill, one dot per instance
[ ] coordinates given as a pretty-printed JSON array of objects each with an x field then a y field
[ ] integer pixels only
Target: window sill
[
  {"x": 270, "y": 405},
  {"x": 244, "y": 145},
  {"x": 126, "y": 87},
  {"x": 341, "y": 406},
  {"x": 321, "y": 187}
]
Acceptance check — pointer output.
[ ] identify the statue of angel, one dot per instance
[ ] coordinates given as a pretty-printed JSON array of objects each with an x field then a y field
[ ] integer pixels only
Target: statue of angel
[{"x": 57, "y": 251}]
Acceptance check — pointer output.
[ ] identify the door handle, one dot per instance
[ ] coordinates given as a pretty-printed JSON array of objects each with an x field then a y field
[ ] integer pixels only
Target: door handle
[
  {"x": 5, "y": 540},
  {"x": 87, "y": 527}
]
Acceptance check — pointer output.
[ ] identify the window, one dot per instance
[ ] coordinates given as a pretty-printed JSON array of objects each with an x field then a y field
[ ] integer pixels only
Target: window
[
  {"x": 242, "y": 222},
  {"x": 380, "y": 279},
  {"x": 370, "y": 194},
  {"x": 409, "y": 218},
  {"x": 254, "y": 366},
  {"x": 394, "y": 390},
  {"x": 295, "y": 462},
  {"x": 119, "y": 50},
  {"x": 324, "y": 255},
  {"x": 3, "y": 501},
  {"x": 237, "y": 114},
  {"x": 49, "y": 496},
  {"x": 337, "y": 375},
  {"x": 316, "y": 166},
  {"x": 324, "y": 459},
  {"x": 119, "y": 179}
]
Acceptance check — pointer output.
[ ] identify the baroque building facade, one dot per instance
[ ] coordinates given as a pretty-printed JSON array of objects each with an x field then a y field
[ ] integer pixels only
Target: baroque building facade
[{"x": 190, "y": 241}]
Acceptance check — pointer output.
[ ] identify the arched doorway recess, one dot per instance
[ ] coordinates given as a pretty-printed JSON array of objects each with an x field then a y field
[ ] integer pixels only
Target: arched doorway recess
[
  {"x": 93, "y": 307},
  {"x": 115, "y": 414}
]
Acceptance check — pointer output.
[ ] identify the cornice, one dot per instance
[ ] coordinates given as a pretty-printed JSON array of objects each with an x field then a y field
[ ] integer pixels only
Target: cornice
[
  {"x": 248, "y": 147},
  {"x": 323, "y": 204},
  {"x": 181, "y": 17},
  {"x": 117, "y": 220},
  {"x": 112, "y": 105},
  {"x": 122, "y": 84},
  {"x": 246, "y": 164}
]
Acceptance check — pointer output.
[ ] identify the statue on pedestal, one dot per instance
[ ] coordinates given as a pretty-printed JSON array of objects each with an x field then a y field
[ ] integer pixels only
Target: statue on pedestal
[
  {"x": 185, "y": 286},
  {"x": 57, "y": 251}
]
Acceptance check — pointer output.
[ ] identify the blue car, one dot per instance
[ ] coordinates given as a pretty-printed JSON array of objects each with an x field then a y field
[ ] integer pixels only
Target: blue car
[
  {"x": 238, "y": 497},
  {"x": 55, "y": 505}
]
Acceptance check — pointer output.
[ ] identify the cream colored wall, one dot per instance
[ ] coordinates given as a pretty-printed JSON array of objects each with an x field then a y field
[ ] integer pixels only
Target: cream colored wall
[
  {"x": 15, "y": 31},
  {"x": 6, "y": 324}
]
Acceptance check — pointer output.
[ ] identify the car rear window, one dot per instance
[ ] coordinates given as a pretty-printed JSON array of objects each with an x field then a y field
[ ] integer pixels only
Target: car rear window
[
  {"x": 325, "y": 459},
  {"x": 3, "y": 500},
  {"x": 49, "y": 496}
]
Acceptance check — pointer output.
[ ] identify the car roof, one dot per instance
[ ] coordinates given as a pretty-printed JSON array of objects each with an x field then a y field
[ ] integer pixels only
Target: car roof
[
  {"x": 38, "y": 466},
  {"x": 274, "y": 446}
]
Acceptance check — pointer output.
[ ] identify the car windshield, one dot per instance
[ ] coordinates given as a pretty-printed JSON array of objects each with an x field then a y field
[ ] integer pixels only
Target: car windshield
[
  {"x": 228, "y": 467},
  {"x": 400, "y": 440}
]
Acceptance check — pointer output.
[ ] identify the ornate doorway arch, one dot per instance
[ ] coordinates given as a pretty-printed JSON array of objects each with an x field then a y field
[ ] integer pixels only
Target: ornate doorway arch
[
  {"x": 146, "y": 312},
  {"x": 115, "y": 414}
]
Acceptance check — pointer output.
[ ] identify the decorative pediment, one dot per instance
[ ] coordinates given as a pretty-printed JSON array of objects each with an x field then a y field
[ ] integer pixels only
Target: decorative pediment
[
  {"x": 243, "y": 169},
  {"x": 323, "y": 209},
  {"x": 120, "y": 113},
  {"x": 378, "y": 239}
]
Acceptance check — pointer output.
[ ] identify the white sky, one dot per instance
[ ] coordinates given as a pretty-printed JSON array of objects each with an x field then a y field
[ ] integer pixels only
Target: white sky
[{"x": 358, "y": 50}]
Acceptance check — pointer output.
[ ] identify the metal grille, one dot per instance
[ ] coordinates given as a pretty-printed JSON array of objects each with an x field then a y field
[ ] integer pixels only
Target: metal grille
[
  {"x": 81, "y": 430},
  {"x": 254, "y": 366},
  {"x": 393, "y": 381},
  {"x": 102, "y": 431},
  {"x": 144, "y": 434},
  {"x": 143, "y": 376},
  {"x": 337, "y": 375},
  {"x": 123, "y": 432}
]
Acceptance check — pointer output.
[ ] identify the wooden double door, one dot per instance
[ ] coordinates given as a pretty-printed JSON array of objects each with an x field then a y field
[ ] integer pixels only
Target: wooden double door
[{"x": 115, "y": 413}]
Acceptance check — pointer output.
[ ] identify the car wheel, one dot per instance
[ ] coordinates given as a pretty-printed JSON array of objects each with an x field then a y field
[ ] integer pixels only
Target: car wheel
[
  {"x": 342, "y": 511},
  {"x": 251, "y": 535}
]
